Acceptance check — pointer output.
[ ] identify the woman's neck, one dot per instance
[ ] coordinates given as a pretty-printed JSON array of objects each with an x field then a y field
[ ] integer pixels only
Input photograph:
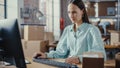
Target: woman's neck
[{"x": 77, "y": 25}]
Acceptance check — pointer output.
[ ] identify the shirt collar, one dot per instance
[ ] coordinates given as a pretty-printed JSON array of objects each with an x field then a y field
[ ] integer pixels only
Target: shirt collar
[{"x": 80, "y": 28}]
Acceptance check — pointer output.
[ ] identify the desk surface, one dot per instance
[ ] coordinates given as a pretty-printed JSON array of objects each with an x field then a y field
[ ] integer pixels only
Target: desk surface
[
  {"x": 108, "y": 64},
  {"x": 112, "y": 46}
]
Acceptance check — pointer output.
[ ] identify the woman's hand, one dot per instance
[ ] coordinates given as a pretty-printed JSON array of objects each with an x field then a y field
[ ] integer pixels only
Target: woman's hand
[
  {"x": 40, "y": 55},
  {"x": 72, "y": 60}
]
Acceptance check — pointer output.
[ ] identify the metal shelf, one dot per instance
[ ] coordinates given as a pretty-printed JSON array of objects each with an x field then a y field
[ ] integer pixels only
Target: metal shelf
[
  {"x": 101, "y": 0},
  {"x": 116, "y": 16},
  {"x": 104, "y": 17}
]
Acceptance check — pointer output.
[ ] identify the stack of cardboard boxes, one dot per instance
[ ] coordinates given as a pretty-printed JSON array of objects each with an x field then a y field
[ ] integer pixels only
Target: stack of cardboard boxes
[{"x": 34, "y": 40}]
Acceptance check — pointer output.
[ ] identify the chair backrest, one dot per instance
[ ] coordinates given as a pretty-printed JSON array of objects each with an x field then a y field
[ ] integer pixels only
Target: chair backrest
[{"x": 43, "y": 46}]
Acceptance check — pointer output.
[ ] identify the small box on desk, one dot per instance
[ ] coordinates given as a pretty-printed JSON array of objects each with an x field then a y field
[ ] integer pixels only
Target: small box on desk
[
  {"x": 93, "y": 60},
  {"x": 33, "y": 32}
]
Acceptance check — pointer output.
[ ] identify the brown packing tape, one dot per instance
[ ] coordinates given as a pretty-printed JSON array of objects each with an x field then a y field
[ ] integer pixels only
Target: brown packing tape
[{"x": 117, "y": 60}]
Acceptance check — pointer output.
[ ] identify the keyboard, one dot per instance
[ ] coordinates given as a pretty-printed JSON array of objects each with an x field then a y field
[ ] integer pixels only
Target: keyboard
[{"x": 54, "y": 63}]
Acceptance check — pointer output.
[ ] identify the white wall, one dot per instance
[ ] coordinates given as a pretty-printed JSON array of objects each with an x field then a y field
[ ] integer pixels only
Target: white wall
[
  {"x": 12, "y": 9},
  {"x": 20, "y": 4}
]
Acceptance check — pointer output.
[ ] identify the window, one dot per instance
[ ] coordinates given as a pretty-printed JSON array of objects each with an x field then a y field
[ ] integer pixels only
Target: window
[{"x": 2, "y": 9}]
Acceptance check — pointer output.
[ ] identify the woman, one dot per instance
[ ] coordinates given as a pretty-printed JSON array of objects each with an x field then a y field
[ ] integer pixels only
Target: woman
[{"x": 77, "y": 38}]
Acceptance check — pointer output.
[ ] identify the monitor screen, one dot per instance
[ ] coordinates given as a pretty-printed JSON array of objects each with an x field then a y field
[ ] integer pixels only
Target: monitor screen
[{"x": 11, "y": 42}]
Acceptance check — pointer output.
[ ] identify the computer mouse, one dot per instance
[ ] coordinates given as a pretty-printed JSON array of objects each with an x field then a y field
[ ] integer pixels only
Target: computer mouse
[{"x": 37, "y": 56}]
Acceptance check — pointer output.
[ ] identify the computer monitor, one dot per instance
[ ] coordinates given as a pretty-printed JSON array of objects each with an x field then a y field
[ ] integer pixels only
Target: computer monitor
[{"x": 11, "y": 42}]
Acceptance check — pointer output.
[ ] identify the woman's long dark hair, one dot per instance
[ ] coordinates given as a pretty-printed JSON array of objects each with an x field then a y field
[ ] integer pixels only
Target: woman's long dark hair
[{"x": 81, "y": 6}]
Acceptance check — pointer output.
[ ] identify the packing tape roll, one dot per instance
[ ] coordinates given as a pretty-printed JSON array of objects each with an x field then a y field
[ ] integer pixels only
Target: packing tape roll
[{"x": 117, "y": 60}]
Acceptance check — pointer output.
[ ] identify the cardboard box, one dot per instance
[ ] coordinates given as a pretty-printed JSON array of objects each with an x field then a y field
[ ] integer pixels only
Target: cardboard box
[
  {"x": 33, "y": 32},
  {"x": 93, "y": 60},
  {"x": 31, "y": 47},
  {"x": 117, "y": 60},
  {"x": 114, "y": 37}
]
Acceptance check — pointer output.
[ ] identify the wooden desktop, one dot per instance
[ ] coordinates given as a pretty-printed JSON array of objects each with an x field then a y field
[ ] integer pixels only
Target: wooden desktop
[{"x": 107, "y": 64}]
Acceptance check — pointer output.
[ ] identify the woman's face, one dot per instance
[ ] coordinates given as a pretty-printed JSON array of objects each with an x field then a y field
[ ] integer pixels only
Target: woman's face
[{"x": 75, "y": 14}]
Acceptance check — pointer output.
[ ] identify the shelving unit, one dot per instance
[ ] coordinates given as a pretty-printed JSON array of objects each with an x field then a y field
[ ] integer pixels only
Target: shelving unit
[
  {"x": 106, "y": 10},
  {"x": 118, "y": 15},
  {"x": 103, "y": 10}
]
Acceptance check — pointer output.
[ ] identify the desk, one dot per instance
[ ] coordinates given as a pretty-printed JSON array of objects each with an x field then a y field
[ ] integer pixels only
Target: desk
[
  {"x": 108, "y": 64},
  {"x": 112, "y": 46}
]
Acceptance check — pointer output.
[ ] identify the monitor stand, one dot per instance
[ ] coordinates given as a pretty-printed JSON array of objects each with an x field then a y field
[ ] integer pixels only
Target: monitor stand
[
  {"x": 9, "y": 61},
  {"x": 1, "y": 53},
  {"x": 2, "y": 57}
]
